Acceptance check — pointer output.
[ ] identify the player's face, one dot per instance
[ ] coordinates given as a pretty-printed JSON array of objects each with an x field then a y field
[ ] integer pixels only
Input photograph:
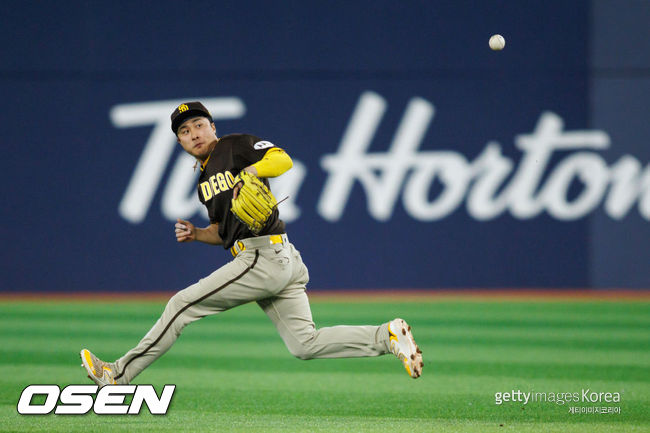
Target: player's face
[{"x": 195, "y": 135}]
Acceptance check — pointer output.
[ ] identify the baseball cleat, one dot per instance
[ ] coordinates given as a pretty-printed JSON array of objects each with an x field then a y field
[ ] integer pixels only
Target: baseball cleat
[
  {"x": 99, "y": 371},
  {"x": 403, "y": 346}
]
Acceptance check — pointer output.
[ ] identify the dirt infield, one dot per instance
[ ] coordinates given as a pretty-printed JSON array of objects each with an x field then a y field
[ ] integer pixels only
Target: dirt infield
[{"x": 524, "y": 295}]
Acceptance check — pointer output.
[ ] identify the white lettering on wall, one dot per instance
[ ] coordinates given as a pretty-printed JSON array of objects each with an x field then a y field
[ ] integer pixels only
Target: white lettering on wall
[
  {"x": 489, "y": 185},
  {"x": 483, "y": 181}
]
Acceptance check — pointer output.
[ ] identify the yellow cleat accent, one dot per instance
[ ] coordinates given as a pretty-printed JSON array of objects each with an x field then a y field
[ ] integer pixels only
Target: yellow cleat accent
[
  {"x": 98, "y": 371},
  {"x": 89, "y": 361}
]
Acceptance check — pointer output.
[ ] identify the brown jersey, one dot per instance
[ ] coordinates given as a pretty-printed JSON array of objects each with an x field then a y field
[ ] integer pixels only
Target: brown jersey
[{"x": 230, "y": 155}]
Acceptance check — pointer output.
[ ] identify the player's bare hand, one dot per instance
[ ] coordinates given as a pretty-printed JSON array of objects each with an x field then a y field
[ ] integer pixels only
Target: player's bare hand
[
  {"x": 235, "y": 190},
  {"x": 185, "y": 231}
]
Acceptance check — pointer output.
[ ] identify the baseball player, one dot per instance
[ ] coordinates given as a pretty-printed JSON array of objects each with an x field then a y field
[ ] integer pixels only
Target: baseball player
[{"x": 266, "y": 268}]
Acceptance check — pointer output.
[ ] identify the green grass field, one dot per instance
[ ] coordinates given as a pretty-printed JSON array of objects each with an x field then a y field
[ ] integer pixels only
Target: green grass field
[{"x": 233, "y": 372}]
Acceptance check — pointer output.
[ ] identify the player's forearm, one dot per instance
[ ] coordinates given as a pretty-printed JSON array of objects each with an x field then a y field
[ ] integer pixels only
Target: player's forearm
[
  {"x": 209, "y": 235},
  {"x": 275, "y": 162}
]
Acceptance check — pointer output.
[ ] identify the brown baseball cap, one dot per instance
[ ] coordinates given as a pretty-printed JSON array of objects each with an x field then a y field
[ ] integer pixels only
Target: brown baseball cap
[{"x": 187, "y": 110}]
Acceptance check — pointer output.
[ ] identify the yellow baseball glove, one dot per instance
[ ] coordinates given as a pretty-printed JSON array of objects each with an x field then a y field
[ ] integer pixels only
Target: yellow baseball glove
[{"x": 254, "y": 203}]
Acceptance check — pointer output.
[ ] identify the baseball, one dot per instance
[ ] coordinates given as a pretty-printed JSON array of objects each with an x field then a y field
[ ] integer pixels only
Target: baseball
[{"x": 497, "y": 42}]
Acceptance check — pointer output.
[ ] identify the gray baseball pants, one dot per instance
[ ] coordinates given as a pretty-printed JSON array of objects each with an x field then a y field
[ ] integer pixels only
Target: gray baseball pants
[{"x": 273, "y": 275}]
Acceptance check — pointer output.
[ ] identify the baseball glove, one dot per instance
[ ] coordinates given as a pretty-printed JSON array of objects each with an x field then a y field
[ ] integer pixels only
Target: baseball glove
[{"x": 254, "y": 203}]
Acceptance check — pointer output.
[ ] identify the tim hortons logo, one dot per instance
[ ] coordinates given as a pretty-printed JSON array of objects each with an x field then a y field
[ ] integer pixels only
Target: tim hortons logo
[
  {"x": 109, "y": 400},
  {"x": 489, "y": 185}
]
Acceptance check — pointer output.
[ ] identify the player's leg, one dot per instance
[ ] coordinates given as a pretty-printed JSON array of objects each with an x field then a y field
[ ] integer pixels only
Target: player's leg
[
  {"x": 291, "y": 314},
  {"x": 231, "y": 285},
  {"x": 289, "y": 310}
]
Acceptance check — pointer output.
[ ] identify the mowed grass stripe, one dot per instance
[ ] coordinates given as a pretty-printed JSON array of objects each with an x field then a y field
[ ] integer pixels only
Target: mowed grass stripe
[
  {"x": 274, "y": 362},
  {"x": 584, "y": 334},
  {"x": 220, "y": 324},
  {"x": 205, "y": 351},
  {"x": 436, "y": 347},
  {"x": 436, "y": 342},
  {"x": 427, "y": 338},
  {"x": 231, "y": 320},
  {"x": 208, "y": 328},
  {"x": 217, "y": 331},
  {"x": 432, "y": 316},
  {"x": 578, "y": 312},
  {"x": 551, "y": 342},
  {"x": 578, "y": 369}
]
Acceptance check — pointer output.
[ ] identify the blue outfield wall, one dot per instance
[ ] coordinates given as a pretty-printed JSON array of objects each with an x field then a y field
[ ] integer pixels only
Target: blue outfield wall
[{"x": 422, "y": 159}]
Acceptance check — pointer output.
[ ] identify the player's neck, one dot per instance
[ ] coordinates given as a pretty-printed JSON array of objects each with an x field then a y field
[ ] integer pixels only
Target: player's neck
[{"x": 204, "y": 161}]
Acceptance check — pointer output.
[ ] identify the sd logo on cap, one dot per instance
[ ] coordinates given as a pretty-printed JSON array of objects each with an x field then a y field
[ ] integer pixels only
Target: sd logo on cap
[{"x": 187, "y": 110}]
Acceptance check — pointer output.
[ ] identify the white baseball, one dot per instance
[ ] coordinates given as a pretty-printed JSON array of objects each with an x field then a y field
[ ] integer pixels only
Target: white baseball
[{"x": 497, "y": 42}]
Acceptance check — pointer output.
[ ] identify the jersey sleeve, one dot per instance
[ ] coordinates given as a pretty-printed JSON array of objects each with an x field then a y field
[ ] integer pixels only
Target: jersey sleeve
[
  {"x": 275, "y": 162},
  {"x": 249, "y": 149}
]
